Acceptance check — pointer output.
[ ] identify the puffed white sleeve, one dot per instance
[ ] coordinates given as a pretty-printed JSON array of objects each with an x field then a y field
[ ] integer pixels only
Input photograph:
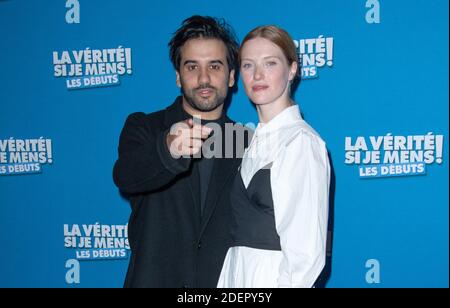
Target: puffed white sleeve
[{"x": 300, "y": 179}]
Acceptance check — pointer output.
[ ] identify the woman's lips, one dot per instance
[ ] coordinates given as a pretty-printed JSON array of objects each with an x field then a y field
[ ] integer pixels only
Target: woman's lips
[{"x": 259, "y": 88}]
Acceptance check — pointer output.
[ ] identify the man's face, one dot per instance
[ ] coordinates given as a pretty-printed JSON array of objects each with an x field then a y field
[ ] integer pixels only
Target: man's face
[{"x": 204, "y": 76}]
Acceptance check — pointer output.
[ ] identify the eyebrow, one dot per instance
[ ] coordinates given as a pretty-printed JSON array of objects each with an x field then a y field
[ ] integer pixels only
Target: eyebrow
[
  {"x": 196, "y": 62},
  {"x": 265, "y": 58},
  {"x": 189, "y": 62},
  {"x": 216, "y": 62}
]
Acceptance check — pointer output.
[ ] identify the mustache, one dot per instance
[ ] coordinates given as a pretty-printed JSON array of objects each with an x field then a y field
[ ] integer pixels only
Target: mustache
[{"x": 205, "y": 87}]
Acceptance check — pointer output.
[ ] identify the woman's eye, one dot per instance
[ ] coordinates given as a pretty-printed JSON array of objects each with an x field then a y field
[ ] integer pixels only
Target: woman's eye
[
  {"x": 271, "y": 63},
  {"x": 246, "y": 65}
]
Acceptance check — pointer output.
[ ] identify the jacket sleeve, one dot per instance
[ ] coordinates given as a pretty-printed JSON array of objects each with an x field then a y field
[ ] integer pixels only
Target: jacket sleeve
[
  {"x": 300, "y": 183},
  {"x": 144, "y": 162}
]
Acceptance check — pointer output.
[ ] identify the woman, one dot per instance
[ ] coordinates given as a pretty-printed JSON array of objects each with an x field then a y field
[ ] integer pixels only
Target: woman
[{"x": 280, "y": 195}]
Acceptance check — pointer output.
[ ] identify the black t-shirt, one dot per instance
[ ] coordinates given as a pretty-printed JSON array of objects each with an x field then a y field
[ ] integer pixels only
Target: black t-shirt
[{"x": 203, "y": 166}]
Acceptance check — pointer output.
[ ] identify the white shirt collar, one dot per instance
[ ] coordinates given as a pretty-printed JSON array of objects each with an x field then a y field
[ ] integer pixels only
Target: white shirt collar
[{"x": 286, "y": 117}]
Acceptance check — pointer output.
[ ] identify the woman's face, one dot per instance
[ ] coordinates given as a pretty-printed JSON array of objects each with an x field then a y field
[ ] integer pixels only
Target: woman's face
[{"x": 265, "y": 72}]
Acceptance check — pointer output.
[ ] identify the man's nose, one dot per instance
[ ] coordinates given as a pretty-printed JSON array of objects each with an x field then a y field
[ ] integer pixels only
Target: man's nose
[{"x": 204, "y": 77}]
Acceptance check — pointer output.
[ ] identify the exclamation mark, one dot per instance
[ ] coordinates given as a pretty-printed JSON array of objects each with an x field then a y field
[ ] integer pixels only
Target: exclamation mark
[
  {"x": 128, "y": 59},
  {"x": 439, "y": 142},
  {"x": 48, "y": 142},
  {"x": 330, "y": 51}
]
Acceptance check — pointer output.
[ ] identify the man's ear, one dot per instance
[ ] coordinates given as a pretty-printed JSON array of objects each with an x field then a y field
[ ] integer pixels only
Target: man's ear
[
  {"x": 232, "y": 80},
  {"x": 178, "y": 79}
]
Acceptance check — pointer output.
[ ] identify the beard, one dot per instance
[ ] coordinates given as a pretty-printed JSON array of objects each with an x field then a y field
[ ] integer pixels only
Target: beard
[{"x": 206, "y": 104}]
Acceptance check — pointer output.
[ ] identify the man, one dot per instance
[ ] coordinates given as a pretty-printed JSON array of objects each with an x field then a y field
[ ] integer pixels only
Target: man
[{"x": 178, "y": 229}]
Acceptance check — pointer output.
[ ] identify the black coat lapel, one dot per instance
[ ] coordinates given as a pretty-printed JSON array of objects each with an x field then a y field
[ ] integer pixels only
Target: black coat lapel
[
  {"x": 174, "y": 114},
  {"x": 222, "y": 173},
  {"x": 195, "y": 189}
]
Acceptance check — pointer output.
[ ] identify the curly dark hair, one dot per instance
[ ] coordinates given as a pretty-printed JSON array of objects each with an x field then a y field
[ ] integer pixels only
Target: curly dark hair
[{"x": 204, "y": 27}]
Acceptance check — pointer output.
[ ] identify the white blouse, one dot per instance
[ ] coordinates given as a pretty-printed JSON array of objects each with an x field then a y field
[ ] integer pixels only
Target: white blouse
[{"x": 300, "y": 178}]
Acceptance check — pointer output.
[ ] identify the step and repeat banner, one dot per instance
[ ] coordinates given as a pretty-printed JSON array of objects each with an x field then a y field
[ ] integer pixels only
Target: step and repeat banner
[{"x": 375, "y": 87}]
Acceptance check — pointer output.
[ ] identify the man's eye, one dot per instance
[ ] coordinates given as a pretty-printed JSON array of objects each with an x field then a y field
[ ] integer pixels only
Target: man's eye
[
  {"x": 215, "y": 66},
  {"x": 191, "y": 67}
]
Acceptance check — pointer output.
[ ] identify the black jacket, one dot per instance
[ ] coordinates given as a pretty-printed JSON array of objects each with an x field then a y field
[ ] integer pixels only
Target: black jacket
[{"x": 172, "y": 244}]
